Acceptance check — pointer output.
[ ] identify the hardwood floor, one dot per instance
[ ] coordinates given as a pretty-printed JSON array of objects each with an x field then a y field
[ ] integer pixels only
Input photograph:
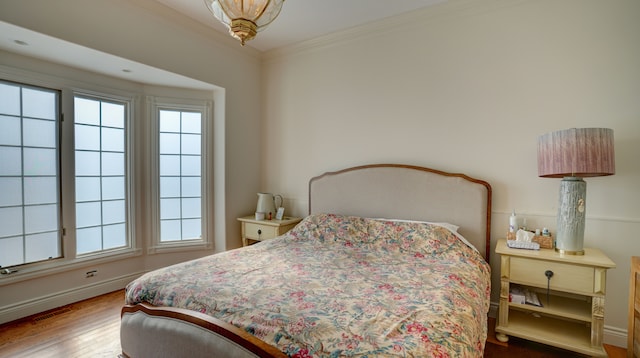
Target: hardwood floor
[{"x": 91, "y": 328}]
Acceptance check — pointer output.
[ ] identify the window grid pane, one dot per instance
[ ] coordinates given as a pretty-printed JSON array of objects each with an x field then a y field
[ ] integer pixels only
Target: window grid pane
[
  {"x": 180, "y": 162},
  {"x": 100, "y": 153},
  {"x": 29, "y": 174}
]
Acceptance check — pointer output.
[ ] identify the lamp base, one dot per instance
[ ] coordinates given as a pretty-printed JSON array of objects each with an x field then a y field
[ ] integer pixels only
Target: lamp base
[
  {"x": 571, "y": 216},
  {"x": 568, "y": 252}
]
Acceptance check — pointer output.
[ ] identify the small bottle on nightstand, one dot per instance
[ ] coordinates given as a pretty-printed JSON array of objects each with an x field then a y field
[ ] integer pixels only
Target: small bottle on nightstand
[{"x": 513, "y": 222}]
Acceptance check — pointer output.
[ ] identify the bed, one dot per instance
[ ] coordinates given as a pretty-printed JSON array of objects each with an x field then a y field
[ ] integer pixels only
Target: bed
[{"x": 391, "y": 261}]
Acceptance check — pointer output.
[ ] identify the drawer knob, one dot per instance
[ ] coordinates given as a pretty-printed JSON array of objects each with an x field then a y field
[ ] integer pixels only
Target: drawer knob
[
  {"x": 259, "y": 232},
  {"x": 549, "y": 274}
]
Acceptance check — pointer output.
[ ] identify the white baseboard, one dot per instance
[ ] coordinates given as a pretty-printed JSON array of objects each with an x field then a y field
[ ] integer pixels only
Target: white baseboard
[
  {"x": 612, "y": 335},
  {"x": 58, "y": 299},
  {"x": 615, "y": 336}
]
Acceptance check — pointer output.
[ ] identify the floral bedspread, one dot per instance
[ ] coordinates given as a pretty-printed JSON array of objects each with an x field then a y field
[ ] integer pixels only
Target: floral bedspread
[{"x": 340, "y": 286}]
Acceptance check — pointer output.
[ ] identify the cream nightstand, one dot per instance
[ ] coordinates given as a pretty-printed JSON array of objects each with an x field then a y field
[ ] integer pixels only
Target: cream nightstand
[
  {"x": 259, "y": 230},
  {"x": 573, "y": 317}
]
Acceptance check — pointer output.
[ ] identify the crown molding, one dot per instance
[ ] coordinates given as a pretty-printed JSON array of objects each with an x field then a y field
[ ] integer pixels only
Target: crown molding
[{"x": 423, "y": 17}]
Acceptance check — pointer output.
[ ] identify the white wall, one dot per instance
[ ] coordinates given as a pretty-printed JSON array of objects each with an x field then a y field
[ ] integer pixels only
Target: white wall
[
  {"x": 468, "y": 86},
  {"x": 151, "y": 34}
]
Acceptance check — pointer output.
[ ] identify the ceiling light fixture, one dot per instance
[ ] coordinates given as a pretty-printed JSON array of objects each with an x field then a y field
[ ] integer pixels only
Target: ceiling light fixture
[{"x": 244, "y": 18}]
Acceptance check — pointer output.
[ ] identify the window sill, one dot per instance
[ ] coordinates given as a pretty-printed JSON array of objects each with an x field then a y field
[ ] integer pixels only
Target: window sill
[
  {"x": 180, "y": 246},
  {"x": 61, "y": 265}
]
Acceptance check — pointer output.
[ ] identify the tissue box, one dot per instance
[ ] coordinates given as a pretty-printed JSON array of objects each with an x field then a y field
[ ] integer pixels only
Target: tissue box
[{"x": 546, "y": 242}]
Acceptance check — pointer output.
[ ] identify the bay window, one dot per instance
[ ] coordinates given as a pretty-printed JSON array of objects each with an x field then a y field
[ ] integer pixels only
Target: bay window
[{"x": 67, "y": 189}]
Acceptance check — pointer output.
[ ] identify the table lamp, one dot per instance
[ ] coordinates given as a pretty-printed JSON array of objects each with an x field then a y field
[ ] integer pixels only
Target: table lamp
[{"x": 572, "y": 154}]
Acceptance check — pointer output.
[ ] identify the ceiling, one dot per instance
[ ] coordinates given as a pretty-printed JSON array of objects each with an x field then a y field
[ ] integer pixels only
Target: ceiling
[
  {"x": 298, "y": 21},
  {"x": 301, "y": 20}
]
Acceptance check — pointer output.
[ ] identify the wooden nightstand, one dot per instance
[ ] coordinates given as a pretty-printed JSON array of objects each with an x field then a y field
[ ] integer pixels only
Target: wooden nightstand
[
  {"x": 573, "y": 316},
  {"x": 259, "y": 230}
]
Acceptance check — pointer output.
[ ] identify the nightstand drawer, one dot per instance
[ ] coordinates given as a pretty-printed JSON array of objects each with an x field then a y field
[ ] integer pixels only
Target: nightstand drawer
[
  {"x": 260, "y": 232},
  {"x": 566, "y": 277}
]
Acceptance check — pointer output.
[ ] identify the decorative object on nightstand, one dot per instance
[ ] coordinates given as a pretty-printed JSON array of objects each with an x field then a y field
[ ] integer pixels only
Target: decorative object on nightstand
[
  {"x": 571, "y": 291},
  {"x": 267, "y": 205},
  {"x": 572, "y": 154},
  {"x": 260, "y": 230},
  {"x": 545, "y": 241}
]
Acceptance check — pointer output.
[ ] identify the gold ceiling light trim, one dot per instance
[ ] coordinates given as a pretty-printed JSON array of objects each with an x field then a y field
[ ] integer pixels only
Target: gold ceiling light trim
[{"x": 245, "y": 18}]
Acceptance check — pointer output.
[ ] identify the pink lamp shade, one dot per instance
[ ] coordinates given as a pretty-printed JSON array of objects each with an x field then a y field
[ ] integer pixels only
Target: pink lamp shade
[{"x": 576, "y": 152}]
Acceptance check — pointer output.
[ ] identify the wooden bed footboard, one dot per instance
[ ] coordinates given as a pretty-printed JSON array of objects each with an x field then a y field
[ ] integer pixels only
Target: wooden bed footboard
[{"x": 150, "y": 331}]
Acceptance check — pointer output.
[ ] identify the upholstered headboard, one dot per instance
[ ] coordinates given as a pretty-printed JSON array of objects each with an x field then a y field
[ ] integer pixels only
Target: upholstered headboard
[{"x": 396, "y": 191}]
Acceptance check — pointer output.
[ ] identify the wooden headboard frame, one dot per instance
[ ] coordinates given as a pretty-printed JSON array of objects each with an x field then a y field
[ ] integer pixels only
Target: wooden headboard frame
[{"x": 397, "y": 191}]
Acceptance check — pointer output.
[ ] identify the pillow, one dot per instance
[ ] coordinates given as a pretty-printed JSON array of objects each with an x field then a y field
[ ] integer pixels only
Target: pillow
[
  {"x": 446, "y": 225},
  {"x": 451, "y": 227}
]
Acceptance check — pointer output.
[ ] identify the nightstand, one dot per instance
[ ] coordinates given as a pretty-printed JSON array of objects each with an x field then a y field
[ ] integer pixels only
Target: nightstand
[
  {"x": 259, "y": 230},
  {"x": 571, "y": 290}
]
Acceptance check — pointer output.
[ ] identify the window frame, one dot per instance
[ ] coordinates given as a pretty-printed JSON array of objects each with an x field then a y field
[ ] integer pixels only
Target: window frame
[
  {"x": 58, "y": 143},
  {"x": 154, "y": 105},
  {"x": 70, "y": 227}
]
